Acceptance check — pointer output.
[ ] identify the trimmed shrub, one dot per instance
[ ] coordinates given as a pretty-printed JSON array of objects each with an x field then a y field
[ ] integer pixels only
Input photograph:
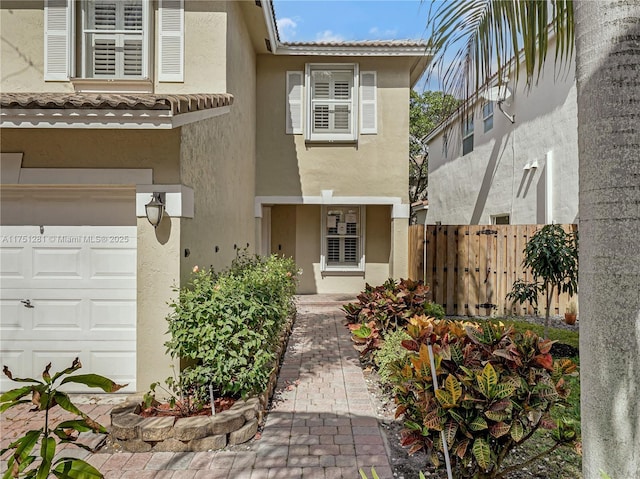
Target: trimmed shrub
[
  {"x": 228, "y": 325},
  {"x": 392, "y": 354},
  {"x": 496, "y": 387}
]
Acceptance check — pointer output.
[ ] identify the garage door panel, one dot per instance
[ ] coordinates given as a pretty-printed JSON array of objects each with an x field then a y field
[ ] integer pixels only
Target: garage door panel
[
  {"x": 13, "y": 264},
  {"x": 12, "y": 316},
  {"x": 113, "y": 315},
  {"x": 117, "y": 366},
  {"x": 57, "y": 263},
  {"x": 109, "y": 264},
  {"x": 57, "y": 315}
]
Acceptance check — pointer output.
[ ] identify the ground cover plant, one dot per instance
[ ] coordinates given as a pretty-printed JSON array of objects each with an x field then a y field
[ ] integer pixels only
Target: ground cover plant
[
  {"x": 383, "y": 309},
  {"x": 497, "y": 389},
  {"x": 227, "y": 327},
  {"x": 45, "y": 395}
]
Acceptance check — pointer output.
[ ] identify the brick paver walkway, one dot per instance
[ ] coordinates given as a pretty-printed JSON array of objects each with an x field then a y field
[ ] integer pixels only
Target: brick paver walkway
[{"x": 321, "y": 425}]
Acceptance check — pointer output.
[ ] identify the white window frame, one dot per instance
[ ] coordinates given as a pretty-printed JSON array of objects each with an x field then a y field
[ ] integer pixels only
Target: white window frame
[
  {"x": 360, "y": 235},
  {"x": 487, "y": 116},
  {"x": 312, "y": 136},
  {"x": 119, "y": 36},
  {"x": 467, "y": 133},
  {"x": 495, "y": 218}
]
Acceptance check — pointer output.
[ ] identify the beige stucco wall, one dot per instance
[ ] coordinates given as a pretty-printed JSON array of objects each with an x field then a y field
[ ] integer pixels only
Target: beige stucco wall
[
  {"x": 491, "y": 180},
  {"x": 376, "y": 166},
  {"x": 205, "y": 53},
  {"x": 69, "y": 148},
  {"x": 158, "y": 273},
  {"x": 300, "y": 225},
  {"x": 218, "y": 162}
]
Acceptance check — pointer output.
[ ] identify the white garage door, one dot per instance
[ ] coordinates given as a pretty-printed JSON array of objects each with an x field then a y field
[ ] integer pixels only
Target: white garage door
[{"x": 66, "y": 292}]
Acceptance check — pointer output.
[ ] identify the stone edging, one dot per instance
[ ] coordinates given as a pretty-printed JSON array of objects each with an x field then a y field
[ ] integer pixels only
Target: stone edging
[{"x": 234, "y": 426}]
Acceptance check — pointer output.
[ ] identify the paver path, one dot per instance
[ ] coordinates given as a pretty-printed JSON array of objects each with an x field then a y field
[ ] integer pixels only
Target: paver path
[{"x": 322, "y": 423}]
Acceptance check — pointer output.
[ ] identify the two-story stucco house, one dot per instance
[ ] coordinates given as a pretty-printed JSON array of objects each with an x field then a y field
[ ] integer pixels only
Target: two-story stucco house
[
  {"x": 250, "y": 144},
  {"x": 486, "y": 169}
]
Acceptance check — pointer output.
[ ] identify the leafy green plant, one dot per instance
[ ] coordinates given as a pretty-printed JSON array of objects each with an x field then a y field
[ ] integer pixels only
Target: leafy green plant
[
  {"x": 227, "y": 325},
  {"x": 181, "y": 398},
  {"x": 552, "y": 256},
  {"x": 367, "y": 339},
  {"x": 525, "y": 292},
  {"x": 391, "y": 354},
  {"x": 45, "y": 395},
  {"x": 433, "y": 310},
  {"x": 389, "y": 305},
  {"x": 497, "y": 388}
]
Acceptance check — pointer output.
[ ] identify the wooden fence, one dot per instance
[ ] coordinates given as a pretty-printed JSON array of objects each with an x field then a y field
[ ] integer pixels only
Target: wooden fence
[{"x": 471, "y": 268}]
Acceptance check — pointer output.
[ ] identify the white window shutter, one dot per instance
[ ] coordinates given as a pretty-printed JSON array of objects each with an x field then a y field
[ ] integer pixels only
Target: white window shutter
[
  {"x": 368, "y": 103},
  {"x": 57, "y": 38},
  {"x": 171, "y": 41},
  {"x": 295, "y": 83}
]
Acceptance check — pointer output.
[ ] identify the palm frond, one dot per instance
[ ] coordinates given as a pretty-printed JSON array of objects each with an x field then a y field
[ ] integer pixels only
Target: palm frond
[{"x": 495, "y": 36}]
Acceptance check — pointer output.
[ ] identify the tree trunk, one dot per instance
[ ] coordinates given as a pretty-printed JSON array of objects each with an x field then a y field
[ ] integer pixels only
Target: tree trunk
[{"x": 608, "y": 81}]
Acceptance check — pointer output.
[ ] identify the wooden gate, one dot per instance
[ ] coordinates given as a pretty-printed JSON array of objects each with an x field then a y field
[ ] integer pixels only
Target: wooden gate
[{"x": 471, "y": 268}]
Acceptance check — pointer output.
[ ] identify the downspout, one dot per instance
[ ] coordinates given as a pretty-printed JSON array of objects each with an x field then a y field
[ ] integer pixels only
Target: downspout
[{"x": 549, "y": 188}]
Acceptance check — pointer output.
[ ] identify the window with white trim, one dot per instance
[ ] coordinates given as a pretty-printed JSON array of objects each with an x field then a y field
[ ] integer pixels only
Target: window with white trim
[
  {"x": 487, "y": 116},
  {"x": 331, "y": 102},
  {"x": 467, "y": 135},
  {"x": 111, "y": 40},
  {"x": 504, "y": 219},
  {"x": 343, "y": 238},
  {"x": 114, "y": 40}
]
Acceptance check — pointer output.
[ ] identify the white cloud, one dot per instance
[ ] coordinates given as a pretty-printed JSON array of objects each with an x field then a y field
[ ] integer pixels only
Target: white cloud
[
  {"x": 287, "y": 28},
  {"x": 329, "y": 36},
  {"x": 382, "y": 34}
]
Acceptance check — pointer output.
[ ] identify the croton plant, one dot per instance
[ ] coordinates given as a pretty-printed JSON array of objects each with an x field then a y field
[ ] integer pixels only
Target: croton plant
[{"x": 496, "y": 388}]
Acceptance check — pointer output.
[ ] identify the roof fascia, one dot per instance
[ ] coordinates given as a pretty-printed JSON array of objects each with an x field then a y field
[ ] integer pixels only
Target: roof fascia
[{"x": 103, "y": 118}]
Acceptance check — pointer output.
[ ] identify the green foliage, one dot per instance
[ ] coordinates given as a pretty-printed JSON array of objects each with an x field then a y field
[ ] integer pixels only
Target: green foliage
[
  {"x": 564, "y": 336},
  {"x": 497, "y": 387},
  {"x": 391, "y": 355},
  {"x": 182, "y": 400},
  {"x": 426, "y": 111},
  {"x": 524, "y": 292},
  {"x": 390, "y": 305},
  {"x": 228, "y": 324},
  {"x": 45, "y": 396},
  {"x": 552, "y": 256},
  {"x": 433, "y": 310}
]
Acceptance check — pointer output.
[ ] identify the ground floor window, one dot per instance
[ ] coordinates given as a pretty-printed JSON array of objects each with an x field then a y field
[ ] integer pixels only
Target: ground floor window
[
  {"x": 500, "y": 219},
  {"x": 343, "y": 238}
]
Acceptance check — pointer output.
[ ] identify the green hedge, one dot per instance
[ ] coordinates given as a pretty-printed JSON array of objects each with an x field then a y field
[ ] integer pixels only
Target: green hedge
[{"x": 228, "y": 325}]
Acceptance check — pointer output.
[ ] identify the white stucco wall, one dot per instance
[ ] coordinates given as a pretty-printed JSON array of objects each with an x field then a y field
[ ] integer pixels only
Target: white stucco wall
[{"x": 492, "y": 180}]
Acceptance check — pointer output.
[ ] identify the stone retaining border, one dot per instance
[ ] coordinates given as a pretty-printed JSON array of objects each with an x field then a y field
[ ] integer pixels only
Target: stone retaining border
[{"x": 236, "y": 425}]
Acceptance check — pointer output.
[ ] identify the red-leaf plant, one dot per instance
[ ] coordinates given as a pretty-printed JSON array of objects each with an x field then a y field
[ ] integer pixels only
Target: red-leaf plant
[{"x": 496, "y": 389}]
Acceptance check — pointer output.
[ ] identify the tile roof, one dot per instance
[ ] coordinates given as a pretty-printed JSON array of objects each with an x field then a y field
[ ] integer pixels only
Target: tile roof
[
  {"x": 363, "y": 43},
  {"x": 112, "y": 101}
]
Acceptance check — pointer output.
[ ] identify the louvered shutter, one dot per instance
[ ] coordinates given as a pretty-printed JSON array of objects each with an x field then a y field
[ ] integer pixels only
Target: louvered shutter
[
  {"x": 294, "y": 103},
  {"x": 171, "y": 41},
  {"x": 104, "y": 19},
  {"x": 57, "y": 39},
  {"x": 133, "y": 48},
  {"x": 368, "y": 103},
  {"x": 332, "y": 101}
]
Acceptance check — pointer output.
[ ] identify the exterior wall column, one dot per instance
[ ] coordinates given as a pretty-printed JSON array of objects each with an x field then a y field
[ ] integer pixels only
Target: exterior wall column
[{"x": 399, "y": 260}]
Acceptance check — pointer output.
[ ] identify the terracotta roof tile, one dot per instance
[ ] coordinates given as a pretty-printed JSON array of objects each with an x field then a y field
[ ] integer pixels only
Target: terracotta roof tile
[
  {"x": 364, "y": 43},
  {"x": 106, "y": 101}
]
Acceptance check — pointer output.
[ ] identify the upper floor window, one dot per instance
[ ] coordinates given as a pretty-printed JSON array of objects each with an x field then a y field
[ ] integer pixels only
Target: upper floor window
[
  {"x": 467, "y": 135},
  {"x": 331, "y": 102},
  {"x": 112, "y": 40},
  {"x": 487, "y": 116}
]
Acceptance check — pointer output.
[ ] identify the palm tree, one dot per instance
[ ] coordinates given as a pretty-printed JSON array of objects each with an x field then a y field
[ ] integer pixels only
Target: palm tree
[{"x": 486, "y": 34}]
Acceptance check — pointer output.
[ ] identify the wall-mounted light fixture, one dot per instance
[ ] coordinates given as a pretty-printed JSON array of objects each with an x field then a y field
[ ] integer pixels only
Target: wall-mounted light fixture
[
  {"x": 527, "y": 167},
  {"x": 155, "y": 209},
  {"x": 534, "y": 164}
]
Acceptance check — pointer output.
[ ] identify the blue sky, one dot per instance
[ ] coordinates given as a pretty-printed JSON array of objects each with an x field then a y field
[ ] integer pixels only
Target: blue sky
[{"x": 341, "y": 20}]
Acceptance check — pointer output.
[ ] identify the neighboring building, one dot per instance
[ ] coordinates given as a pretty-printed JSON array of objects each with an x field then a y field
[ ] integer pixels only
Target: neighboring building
[
  {"x": 487, "y": 170},
  {"x": 105, "y": 102}
]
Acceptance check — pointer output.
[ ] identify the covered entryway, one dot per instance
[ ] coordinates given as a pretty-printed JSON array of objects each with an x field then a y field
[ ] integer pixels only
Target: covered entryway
[{"x": 68, "y": 291}]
